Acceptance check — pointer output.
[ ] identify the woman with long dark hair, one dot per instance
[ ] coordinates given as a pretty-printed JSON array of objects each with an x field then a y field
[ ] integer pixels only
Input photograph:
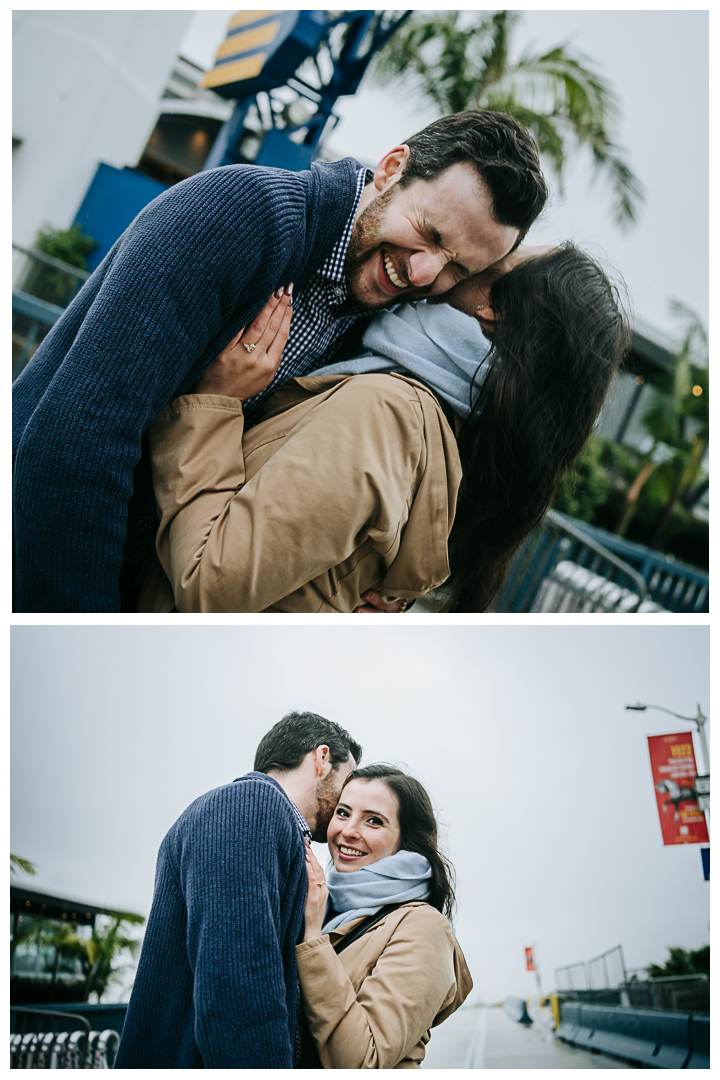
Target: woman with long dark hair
[
  {"x": 379, "y": 965},
  {"x": 433, "y": 454},
  {"x": 558, "y": 337}
]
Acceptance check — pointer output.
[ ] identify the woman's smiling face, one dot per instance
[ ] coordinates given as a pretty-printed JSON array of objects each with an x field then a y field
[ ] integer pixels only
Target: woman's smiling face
[{"x": 365, "y": 827}]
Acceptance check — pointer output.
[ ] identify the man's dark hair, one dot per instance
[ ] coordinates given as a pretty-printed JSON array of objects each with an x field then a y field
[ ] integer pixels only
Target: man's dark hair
[
  {"x": 503, "y": 151},
  {"x": 298, "y": 734}
]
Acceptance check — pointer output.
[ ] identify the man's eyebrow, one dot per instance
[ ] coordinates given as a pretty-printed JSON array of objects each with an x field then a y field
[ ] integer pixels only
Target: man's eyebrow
[
  {"x": 433, "y": 233},
  {"x": 431, "y": 230}
]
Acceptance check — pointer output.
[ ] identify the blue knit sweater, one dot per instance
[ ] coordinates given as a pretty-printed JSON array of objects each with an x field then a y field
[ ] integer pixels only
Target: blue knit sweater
[
  {"x": 216, "y": 985},
  {"x": 194, "y": 267}
]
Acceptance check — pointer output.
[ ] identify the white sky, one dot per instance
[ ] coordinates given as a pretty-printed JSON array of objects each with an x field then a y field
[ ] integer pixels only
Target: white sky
[
  {"x": 657, "y": 61},
  {"x": 541, "y": 779}
]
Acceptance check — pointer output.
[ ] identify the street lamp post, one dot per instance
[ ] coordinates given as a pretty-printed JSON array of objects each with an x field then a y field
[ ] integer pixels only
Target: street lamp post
[{"x": 699, "y": 721}]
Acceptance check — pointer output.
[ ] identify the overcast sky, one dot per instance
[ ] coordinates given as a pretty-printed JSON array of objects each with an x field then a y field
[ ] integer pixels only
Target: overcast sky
[
  {"x": 540, "y": 777},
  {"x": 657, "y": 62}
]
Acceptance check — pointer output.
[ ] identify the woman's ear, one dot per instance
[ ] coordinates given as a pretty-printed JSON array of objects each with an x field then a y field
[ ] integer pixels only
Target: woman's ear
[
  {"x": 390, "y": 168},
  {"x": 485, "y": 313}
]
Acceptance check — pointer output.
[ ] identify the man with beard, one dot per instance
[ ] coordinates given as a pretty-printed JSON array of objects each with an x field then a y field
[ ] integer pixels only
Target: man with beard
[
  {"x": 198, "y": 265},
  {"x": 217, "y": 984}
]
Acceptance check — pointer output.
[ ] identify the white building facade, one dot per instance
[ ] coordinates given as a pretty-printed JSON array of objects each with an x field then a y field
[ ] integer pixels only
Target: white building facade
[{"x": 86, "y": 87}]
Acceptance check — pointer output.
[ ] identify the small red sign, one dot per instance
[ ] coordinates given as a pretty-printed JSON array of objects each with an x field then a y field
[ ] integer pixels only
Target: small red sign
[
  {"x": 672, "y": 759},
  {"x": 529, "y": 962}
]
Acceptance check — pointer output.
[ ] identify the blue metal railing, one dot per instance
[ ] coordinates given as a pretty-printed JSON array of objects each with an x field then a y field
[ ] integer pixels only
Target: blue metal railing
[
  {"x": 33, "y": 313},
  {"x": 565, "y": 565},
  {"x": 671, "y": 584},
  {"x": 568, "y": 565},
  {"x": 57, "y": 1038}
]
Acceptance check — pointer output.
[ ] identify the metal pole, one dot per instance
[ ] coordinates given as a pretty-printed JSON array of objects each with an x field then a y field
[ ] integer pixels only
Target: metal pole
[{"x": 700, "y": 721}]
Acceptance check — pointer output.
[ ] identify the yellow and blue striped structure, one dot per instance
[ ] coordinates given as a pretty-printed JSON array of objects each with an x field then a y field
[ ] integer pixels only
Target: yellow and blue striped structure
[{"x": 262, "y": 49}]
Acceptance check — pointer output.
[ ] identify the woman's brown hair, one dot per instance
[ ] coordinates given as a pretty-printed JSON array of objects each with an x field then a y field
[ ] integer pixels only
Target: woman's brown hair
[{"x": 418, "y": 829}]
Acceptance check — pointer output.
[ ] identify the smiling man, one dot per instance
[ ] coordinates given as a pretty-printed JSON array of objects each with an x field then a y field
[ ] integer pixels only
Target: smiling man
[
  {"x": 193, "y": 269},
  {"x": 217, "y": 984}
]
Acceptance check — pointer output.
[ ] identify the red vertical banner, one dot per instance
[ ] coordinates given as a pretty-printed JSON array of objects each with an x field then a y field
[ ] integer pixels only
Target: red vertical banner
[
  {"x": 672, "y": 759},
  {"x": 529, "y": 962}
]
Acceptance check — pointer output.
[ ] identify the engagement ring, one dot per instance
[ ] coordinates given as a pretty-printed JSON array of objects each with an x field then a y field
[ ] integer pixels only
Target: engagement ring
[{"x": 248, "y": 347}]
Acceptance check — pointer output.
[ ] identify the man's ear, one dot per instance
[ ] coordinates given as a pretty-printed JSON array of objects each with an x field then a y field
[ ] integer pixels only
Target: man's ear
[
  {"x": 391, "y": 167},
  {"x": 323, "y": 764}
]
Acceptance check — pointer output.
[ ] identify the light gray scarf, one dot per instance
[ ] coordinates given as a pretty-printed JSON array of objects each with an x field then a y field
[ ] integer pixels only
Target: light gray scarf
[
  {"x": 397, "y": 879},
  {"x": 433, "y": 343}
]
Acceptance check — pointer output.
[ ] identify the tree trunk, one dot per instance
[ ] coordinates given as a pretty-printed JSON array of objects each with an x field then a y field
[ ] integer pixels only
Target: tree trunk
[
  {"x": 53, "y": 979},
  {"x": 633, "y": 495}
]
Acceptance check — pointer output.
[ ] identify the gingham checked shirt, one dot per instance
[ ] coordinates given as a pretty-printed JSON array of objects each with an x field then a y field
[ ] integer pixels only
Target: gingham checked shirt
[{"x": 316, "y": 328}]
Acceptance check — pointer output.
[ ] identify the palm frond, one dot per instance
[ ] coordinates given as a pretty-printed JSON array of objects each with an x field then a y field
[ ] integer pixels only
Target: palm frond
[
  {"x": 495, "y": 58},
  {"x": 695, "y": 340},
  {"x": 128, "y": 916},
  {"x": 543, "y": 127},
  {"x": 558, "y": 94},
  {"x": 18, "y": 863}
]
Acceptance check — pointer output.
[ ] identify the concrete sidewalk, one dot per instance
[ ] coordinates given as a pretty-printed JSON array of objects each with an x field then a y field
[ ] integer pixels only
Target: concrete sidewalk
[{"x": 478, "y": 1037}]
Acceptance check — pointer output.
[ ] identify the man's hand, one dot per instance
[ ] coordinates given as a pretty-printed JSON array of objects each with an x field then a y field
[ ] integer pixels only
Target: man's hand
[
  {"x": 242, "y": 374},
  {"x": 374, "y": 603}
]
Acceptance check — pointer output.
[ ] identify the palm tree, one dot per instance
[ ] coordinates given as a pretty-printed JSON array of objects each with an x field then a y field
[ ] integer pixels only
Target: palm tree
[
  {"x": 461, "y": 60},
  {"x": 680, "y": 401},
  {"x": 62, "y": 938},
  {"x": 18, "y": 863},
  {"x": 104, "y": 946},
  {"x": 97, "y": 954}
]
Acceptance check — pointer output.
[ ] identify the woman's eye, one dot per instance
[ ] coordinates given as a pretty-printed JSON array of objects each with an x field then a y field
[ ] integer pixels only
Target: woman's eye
[
  {"x": 375, "y": 821},
  {"x": 341, "y": 813}
]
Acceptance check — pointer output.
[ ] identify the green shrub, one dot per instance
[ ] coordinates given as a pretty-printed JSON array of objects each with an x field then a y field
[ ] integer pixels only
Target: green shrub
[{"x": 49, "y": 283}]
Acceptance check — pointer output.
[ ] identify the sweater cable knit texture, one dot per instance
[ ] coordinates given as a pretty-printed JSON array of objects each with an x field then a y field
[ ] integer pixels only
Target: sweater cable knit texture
[
  {"x": 196, "y": 265},
  {"x": 216, "y": 985}
]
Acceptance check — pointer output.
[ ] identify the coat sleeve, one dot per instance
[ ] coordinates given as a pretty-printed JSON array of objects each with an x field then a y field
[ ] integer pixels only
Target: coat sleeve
[
  {"x": 233, "y": 878},
  {"x": 377, "y": 1025},
  {"x": 168, "y": 295},
  {"x": 337, "y": 480}
]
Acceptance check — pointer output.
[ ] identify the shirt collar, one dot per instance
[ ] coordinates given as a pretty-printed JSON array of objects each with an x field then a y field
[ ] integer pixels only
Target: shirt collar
[
  {"x": 304, "y": 829},
  {"x": 263, "y": 777},
  {"x": 334, "y": 266}
]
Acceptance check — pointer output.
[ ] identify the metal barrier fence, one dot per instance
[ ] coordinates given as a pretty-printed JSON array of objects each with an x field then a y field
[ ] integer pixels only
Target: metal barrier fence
[
  {"x": 52, "y": 1044},
  {"x": 677, "y": 993},
  {"x": 561, "y": 568},
  {"x": 604, "y": 972},
  {"x": 671, "y": 584},
  {"x": 568, "y": 565},
  {"x": 42, "y": 287},
  {"x": 656, "y": 1040}
]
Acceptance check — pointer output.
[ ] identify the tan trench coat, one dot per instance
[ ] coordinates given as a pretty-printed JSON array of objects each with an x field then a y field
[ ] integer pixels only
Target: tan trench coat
[
  {"x": 372, "y": 1006},
  {"x": 347, "y": 482}
]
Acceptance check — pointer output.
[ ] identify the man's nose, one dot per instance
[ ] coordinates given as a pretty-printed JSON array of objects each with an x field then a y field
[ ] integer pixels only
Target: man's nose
[
  {"x": 444, "y": 281},
  {"x": 424, "y": 267}
]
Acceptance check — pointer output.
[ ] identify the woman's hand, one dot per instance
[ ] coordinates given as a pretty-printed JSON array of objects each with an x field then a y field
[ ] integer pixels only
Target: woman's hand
[
  {"x": 242, "y": 374},
  {"x": 374, "y": 603},
  {"x": 317, "y": 896}
]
